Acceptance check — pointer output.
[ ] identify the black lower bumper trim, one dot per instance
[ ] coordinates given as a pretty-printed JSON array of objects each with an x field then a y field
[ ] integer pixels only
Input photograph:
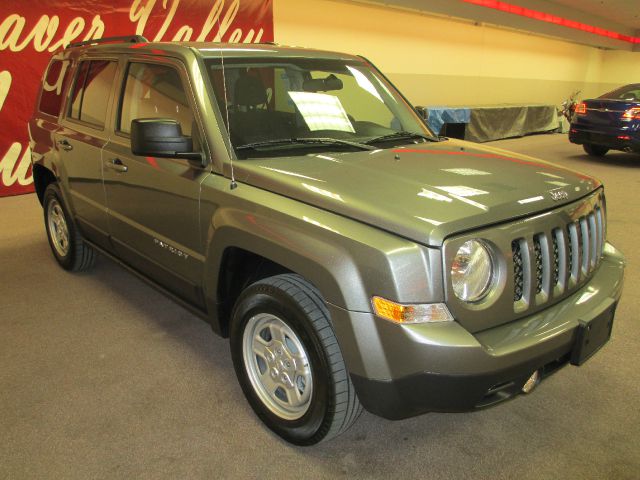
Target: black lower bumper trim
[{"x": 432, "y": 392}]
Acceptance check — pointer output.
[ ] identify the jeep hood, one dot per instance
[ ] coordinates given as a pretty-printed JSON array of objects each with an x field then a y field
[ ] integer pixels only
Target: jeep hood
[{"x": 423, "y": 192}]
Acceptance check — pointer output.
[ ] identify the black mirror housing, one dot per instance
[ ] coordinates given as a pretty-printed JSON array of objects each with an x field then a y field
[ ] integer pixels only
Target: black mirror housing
[{"x": 161, "y": 137}]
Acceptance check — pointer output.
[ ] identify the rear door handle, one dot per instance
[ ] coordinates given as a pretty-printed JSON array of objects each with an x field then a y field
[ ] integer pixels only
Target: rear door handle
[
  {"x": 117, "y": 165},
  {"x": 65, "y": 145}
]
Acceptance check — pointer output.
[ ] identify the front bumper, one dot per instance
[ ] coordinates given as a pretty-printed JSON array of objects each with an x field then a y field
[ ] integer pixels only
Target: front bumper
[{"x": 404, "y": 370}]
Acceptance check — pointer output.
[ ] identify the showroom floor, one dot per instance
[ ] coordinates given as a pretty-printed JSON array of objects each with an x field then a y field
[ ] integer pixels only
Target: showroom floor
[{"x": 103, "y": 377}]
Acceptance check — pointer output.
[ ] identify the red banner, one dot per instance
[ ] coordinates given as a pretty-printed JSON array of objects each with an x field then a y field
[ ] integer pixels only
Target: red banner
[{"x": 30, "y": 31}]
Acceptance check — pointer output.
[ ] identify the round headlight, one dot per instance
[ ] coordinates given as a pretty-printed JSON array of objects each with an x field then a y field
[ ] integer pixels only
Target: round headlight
[{"x": 471, "y": 271}]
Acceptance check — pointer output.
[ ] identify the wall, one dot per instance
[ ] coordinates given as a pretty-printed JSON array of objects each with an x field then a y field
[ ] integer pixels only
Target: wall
[
  {"x": 619, "y": 68},
  {"x": 436, "y": 60}
]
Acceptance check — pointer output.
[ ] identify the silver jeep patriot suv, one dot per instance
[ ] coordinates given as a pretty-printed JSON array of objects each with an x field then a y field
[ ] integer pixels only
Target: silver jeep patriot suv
[{"x": 296, "y": 201}]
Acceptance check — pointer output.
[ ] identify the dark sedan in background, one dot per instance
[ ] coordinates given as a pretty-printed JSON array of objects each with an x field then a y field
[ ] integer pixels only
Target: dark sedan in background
[{"x": 609, "y": 122}]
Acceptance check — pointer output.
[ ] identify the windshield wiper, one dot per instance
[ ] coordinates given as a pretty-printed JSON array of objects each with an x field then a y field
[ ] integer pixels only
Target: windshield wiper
[
  {"x": 402, "y": 135},
  {"x": 303, "y": 141}
]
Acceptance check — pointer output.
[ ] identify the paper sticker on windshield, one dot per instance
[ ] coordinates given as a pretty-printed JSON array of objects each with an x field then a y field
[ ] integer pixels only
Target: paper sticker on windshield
[{"x": 322, "y": 112}]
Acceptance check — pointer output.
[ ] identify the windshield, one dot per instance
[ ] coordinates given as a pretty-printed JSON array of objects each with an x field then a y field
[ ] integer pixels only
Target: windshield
[{"x": 288, "y": 106}]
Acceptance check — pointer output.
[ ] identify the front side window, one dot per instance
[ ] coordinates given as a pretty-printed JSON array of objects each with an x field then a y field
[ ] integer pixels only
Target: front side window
[
  {"x": 154, "y": 91},
  {"x": 53, "y": 87},
  {"x": 91, "y": 91},
  {"x": 269, "y": 101}
]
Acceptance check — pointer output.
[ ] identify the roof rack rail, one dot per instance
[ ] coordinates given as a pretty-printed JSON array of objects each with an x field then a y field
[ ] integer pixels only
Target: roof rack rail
[{"x": 124, "y": 39}]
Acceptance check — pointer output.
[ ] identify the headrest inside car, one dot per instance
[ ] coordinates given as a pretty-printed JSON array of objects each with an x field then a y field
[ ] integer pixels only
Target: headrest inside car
[{"x": 249, "y": 91}]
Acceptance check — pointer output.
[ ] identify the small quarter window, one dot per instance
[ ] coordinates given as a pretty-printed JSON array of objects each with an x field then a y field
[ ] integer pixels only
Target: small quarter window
[{"x": 53, "y": 87}]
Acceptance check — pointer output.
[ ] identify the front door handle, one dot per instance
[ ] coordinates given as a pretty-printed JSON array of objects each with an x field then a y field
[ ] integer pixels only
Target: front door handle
[
  {"x": 65, "y": 145},
  {"x": 117, "y": 165}
]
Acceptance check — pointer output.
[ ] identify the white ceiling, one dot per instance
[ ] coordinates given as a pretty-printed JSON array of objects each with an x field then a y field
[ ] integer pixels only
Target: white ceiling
[{"x": 624, "y": 12}]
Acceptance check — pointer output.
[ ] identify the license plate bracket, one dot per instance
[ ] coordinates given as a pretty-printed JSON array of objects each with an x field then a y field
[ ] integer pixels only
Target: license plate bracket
[{"x": 592, "y": 335}]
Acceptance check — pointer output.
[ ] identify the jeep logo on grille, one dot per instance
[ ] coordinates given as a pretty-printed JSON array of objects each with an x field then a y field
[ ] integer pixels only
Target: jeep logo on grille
[{"x": 559, "y": 195}]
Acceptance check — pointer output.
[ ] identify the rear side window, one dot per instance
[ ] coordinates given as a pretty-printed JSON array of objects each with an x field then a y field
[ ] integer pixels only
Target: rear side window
[
  {"x": 53, "y": 87},
  {"x": 91, "y": 91},
  {"x": 628, "y": 92},
  {"x": 154, "y": 91}
]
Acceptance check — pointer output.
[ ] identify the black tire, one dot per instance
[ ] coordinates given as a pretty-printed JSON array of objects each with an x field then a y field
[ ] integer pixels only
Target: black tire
[
  {"x": 332, "y": 405},
  {"x": 73, "y": 254},
  {"x": 595, "y": 150}
]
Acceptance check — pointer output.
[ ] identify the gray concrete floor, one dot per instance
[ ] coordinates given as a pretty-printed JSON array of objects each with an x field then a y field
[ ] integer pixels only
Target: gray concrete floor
[{"x": 103, "y": 377}]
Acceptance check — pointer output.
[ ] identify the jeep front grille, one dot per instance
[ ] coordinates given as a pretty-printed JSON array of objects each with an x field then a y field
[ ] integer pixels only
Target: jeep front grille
[
  {"x": 539, "y": 260},
  {"x": 552, "y": 263}
]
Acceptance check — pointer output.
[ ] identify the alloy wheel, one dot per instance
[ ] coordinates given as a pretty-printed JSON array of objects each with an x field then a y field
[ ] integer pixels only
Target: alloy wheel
[
  {"x": 58, "y": 229},
  {"x": 278, "y": 366}
]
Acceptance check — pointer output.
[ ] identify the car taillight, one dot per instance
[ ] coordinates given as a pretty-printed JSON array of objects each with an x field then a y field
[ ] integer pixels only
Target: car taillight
[
  {"x": 632, "y": 114},
  {"x": 581, "y": 108}
]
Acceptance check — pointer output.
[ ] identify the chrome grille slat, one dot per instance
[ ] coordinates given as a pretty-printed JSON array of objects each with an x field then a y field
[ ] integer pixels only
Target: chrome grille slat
[
  {"x": 560, "y": 235},
  {"x": 537, "y": 248},
  {"x": 544, "y": 266},
  {"x": 529, "y": 268},
  {"x": 580, "y": 249},
  {"x": 556, "y": 261},
  {"x": 599, "y": 222},
  {"x": 593, "y": 240},
  {"x": 576, "y": 253},
  {"x": 585, "y": 244}
]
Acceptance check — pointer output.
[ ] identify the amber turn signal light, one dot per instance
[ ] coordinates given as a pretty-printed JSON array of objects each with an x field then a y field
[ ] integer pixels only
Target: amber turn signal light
[{"x": 409, "y": 314}]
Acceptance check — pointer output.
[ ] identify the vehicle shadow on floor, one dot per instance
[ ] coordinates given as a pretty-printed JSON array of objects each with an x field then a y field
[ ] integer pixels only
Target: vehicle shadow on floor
[{"x": 170, "y": 317}]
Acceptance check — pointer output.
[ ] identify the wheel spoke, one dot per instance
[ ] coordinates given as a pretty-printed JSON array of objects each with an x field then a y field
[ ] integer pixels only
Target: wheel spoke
[
  {"x": 277, "y": 333},
  {"x": 296, "y": 394},
  {"x": 269, "y": 383},
  {"x": 260, "y": 352},
  {"x": 302, "y": 364}
]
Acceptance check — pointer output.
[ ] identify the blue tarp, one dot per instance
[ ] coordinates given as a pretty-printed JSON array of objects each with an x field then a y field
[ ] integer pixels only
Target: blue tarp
[{"x": 438, "y": 116}]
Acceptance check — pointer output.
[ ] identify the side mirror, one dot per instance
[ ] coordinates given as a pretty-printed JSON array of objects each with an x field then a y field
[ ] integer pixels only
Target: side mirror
[{"x": 161, "y": 137}]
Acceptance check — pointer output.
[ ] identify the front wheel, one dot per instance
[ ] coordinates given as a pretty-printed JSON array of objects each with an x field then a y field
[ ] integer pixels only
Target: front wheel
[
  {"x": 595, "y": 150},
  {"x": 67, "y": 243},
  {"x": 288, "y": 361}
]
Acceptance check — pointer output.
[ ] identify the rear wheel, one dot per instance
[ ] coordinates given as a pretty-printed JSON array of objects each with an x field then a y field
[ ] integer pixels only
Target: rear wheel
[
  {"x": 595, "y": 150},
  {"x": 288, "y": 361},
  {"x": 66, "y": 242}
]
